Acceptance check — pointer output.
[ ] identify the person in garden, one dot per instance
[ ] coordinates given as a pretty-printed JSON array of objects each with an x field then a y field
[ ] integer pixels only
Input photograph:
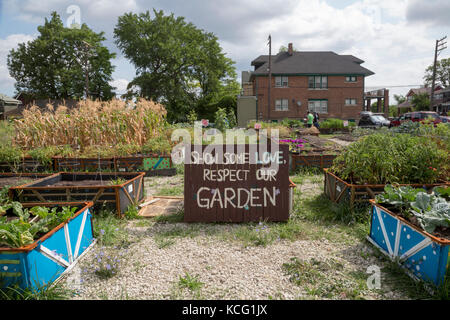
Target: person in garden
[
  {"x": 316, "y": 120},
  {"x": 310, "y": 119}
]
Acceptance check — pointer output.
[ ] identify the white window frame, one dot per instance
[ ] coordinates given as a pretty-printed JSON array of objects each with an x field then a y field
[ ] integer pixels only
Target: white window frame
[
  {"x": 351, "y": 102},
  {"x": 318, "y": 85},
  {"x": 351, "y": 79},
  {"x": 281, "y": 81},
  {"x": 319, "y": 106},
  {"x": 282, "y": 105}
]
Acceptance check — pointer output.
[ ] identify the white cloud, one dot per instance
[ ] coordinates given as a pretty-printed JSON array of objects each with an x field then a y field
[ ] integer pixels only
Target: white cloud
[
  {"x": 10, "y": 42},
  {"x": 120, "y": 85},
  {"x": 377, "y": 31}
]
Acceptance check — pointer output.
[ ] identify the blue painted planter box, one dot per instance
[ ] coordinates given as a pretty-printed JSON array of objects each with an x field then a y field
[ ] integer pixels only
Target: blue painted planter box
[
  {"x": 45, "y": 260},
  {"x": 425, "y": 256}
]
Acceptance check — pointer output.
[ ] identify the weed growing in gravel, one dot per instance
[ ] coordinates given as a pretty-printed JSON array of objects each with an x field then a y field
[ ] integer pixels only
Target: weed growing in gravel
[
  {"x": 190, "y": 282},
  {"x": 132, "y": 213},
  {"x": 252, "y": 235},
  {"x": 166, "y": 238},
  {"x": 45, "y": 292},
  {"x": 114, "y": 233},
  {"x": 106, "y": 261},
  {"x": 316, "y": 277},
  {"x": 173, "y": 218},
  {"x": 171, "y": 191}
]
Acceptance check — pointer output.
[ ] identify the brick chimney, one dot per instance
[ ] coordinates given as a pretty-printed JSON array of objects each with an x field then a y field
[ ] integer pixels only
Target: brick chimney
[{"x": 290, "y": 49}]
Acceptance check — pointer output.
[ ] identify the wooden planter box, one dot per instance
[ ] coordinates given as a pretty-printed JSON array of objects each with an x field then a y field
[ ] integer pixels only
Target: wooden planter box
[
  {"x": 83, "y": 164},
  {"x": 339, "y": 190},
  {"x": 423, "y": 255},
  {"x": 23, "y": 175},
  {"x": 119, "y": 196},
  {"x": 45, "y": 260},
  {"x": 319, "y": 161},
  {"x": 26, "y": 164}
]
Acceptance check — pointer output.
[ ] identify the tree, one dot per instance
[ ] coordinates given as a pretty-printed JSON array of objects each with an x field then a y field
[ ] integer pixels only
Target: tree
[
  {"x": 399, "y": 98},
  {"x": 176, "y": 63},
  {"x": 53, "y": 65},
  {"x": 442, "y": 73},
  {"x": 421, "y": 102}
]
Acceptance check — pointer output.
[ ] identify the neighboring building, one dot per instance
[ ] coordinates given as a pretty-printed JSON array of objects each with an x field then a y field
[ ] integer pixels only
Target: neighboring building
[
  {"x": 442, "y": 100},
  {"x": 8, "y": 106},
  {"x": 325, "y": 82},
  {"x": 408, "y": 105}
]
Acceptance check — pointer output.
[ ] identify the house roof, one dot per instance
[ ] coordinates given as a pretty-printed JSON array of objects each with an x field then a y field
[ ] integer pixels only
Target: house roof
[
  {"x": 310, "y": 62},
  {"x": 8, "y": 100}
]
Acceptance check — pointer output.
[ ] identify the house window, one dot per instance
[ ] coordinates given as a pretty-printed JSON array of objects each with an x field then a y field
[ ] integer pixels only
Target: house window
[
  {"x": 351, "y": 79},
  {"x": 319, "y": 106},
  {"x": 281, "y": 81},
  {"x": 281, "y": 105},
  {"x": 318, "y": 82},
  {"x": 350, "y": 102}
]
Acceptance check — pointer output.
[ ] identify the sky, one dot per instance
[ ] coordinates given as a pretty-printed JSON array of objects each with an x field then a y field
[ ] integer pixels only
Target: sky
[{"x": 396, "y": 39}]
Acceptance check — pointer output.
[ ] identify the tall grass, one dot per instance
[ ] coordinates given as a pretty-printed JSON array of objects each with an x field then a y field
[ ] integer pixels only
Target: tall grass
[{"x": 91, "y": 123}]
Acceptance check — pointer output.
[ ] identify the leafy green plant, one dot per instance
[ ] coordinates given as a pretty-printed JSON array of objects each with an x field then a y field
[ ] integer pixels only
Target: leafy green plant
[
  {"x": 117, "y": 181},
  {"x": 430, "y": 210},
  {"x": 386, "y": 158},
  {"x": 16, "y": 233},
  {"x": 221, "y": 120},
  {"x": 190, "y": 282},
  {"x": 159, "y": 145},
  {"x": 44, "y": 154}
]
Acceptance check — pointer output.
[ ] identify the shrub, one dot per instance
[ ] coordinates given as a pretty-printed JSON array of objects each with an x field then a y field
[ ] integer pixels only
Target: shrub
[
  {"x": 332, "y": 124},
  {"x": 221, "y": 120},
  {"x": 385, "y": 158}
]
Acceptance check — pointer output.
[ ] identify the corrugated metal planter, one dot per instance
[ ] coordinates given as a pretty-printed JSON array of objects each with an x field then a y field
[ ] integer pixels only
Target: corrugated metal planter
[
  {"x": 423, "y": 255},
  {"x": 44, "y": 261},
  {"x": 339, "y": 190},
  {"x": 120, "y": 196}
]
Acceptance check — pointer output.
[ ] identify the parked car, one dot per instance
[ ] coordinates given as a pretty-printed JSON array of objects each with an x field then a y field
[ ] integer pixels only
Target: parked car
[
  {"x": 372, "y": 120},
  {"x": 419, "y": 116}
]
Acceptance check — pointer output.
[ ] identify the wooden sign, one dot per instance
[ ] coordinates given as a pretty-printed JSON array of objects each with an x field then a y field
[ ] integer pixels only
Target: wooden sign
[{"x": 244, "y": 183}]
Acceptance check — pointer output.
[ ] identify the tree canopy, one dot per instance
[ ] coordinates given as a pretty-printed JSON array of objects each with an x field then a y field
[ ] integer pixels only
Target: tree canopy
[
  {"x": 53, "y": 65},
  {"x": 176, "y": 63},
  {"x": 442, "y": 73}
]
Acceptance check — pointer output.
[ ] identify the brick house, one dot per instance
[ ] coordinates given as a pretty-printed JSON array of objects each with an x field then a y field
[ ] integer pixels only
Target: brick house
[{"x": 325, "y": 82}]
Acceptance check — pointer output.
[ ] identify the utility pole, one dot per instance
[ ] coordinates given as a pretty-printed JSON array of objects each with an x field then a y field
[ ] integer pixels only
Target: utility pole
[
  {"x": 270, "y": 76},
  {"x": 439, "y": 47}
]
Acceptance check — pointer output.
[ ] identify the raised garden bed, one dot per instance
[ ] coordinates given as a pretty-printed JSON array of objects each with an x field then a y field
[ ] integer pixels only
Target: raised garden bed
[
  {"x": 423, "y": 255},
  {"x": 146, "y": 163},
  {"x": 26, "y": 164},
  {"x": 339, "y": 190},
  {"x": 314, "y": 160},
  {"x": 119, "y": 190},
  {"x": 83, "y": 164},
  {"x": 46, "y": 259},
  {"x": 16, "y": 179}
]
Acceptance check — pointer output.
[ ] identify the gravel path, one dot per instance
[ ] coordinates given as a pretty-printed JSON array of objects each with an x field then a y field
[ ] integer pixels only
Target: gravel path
[{"x": 224, "y": 268}]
